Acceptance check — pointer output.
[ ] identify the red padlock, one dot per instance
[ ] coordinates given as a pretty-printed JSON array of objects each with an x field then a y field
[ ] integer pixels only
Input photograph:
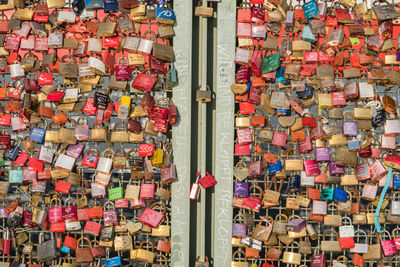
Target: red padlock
[
  {"x": 89, "y": 107},
  {"x": 146, "y": 150},
  {"x": 69, "y": 211},
  {"x": 35, "y": 164},
  {"x": 92, "y": 228},
  {"x": 45, "y": 79},
  {"x": 207, "y": 181},
  {"x": 151, "y": 217},
  {"x": 70, "y": 242},
  {"x": 57, "y": 227}
]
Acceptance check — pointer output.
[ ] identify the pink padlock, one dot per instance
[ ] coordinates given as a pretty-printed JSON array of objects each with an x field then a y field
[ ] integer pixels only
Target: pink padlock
[
  {"x": 376, "y": 153},
  {"x": 110, "y": 216},
  {"x": 244, "y": 136},
  {"x": 311, "y": 167},
  {"x": 255, "y": 168},
  {"x": 377, "y": 171},
  {"x": 338, "y": 99},
  {"x": 55, "y": 212},
  {"x": 279, "y": 139},
  {"x": 82, "y": 129},
  {"x": 388, "y": 142},
  {"x": 17, "y": 124},
  {"x": 122, "y": 71},
  {"x": 305, "y": 146},
  {"x": 388, "y": 246}
]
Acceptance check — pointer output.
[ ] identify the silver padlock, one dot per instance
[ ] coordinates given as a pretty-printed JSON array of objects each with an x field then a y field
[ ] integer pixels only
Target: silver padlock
[
  {"x": 66, "y": 16},
  {"x": 395, "y": 206},
  {"x": 97, "y": 65},
  {"x": 336, "y": 37},
  {"x": 131, "y": 43},
  {"x": 346, "y": 230},
  {"x": 361, "y": 248},
  {"x": 16, "y": 72}
]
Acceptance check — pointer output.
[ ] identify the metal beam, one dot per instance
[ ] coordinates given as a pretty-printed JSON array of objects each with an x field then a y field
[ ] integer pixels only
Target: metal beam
[
  {"x": 202, "y": 143},
  {"x": 224, "y": 137},
  {"x": 181, "y": 140}
]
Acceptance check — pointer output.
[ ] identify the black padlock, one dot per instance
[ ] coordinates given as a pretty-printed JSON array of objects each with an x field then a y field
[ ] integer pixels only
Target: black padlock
[
  {"x": 101, "y": 100},
  {"x": 380, "y": 118},
  {"x": 14, "y": 219},
  {"x": 293, "y": 183},
  {"x": 107, "y": 233}
]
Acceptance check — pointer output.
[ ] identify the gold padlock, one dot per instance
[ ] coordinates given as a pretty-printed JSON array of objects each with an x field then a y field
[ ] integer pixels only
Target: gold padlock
[
  {"x": 338, "y": 140},
  {"x": 300, "y": 46},
  {"x": 325, "y": 100},
  {"x": 292, "y": 257},
  {"x": 242, "y": 121}
]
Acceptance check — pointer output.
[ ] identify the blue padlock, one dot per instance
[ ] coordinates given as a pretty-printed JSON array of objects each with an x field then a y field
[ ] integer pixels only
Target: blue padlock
[
  {"x": 12, "y": 154},
  {"x": 306, "y": 94},
  {"x": 15, "y": 176},
  {"x": 396, "y": 181},
  {"x": 340, "y": 195},
  {"x": 37, "y": 135},
  {"x": 94, "y": 4},
  {"x": 165, "y": 15},
  {"x": 275, "y": 167},
  {"x": 174, "y": 75},
  {"x": 280, "y": 76},
  {"x": 310, "y": 9},
  {"x": 307, "y": 35},
  {"x": 283, "y": 112},
  {"x": 78, "y": 6},
  {"x": 353, "y": 144},
  {"x": 293, "y": 183},
  {"x": 65, "y": 249},
  {"x": 114, "y": 261},
  {"x": 110, "y": 6}
]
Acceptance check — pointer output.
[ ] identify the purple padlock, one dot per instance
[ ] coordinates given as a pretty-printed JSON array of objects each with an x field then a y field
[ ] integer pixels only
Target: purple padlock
[
  {"x": 239, "y": 230},
  {"x": 296, "y": 225},
  {"x": 241, "y": 189},
  {"x": 335, "y": 169},
  {"x": 397, "y": 56},
  {"x": 75, "y": 150},
  {"x": 349, "y": 126},
  {"x": 322, "y": 154}
]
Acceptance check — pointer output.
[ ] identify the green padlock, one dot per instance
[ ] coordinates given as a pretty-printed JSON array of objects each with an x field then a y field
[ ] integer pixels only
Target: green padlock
[
  {"x": 2, "y": 162},
  {"x": 327, "y": 194},
  {"x": 115, "y": 193},
  {"x": 270, "y": 63}
]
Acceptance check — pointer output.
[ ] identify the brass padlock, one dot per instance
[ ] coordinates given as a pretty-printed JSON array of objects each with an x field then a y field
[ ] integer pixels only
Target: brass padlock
[{"x": 203, "y": 96}]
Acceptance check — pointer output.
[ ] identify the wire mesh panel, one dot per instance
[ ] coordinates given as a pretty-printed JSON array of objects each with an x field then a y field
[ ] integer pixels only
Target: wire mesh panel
[
  {"x": 303, "y": 150},
  {"x": 47, "y": 180}
]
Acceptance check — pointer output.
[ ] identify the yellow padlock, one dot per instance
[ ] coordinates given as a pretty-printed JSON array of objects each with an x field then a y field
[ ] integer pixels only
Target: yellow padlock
[
  {"x": 158, "y": 156},
  {"x": 124, "y": 107}
]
